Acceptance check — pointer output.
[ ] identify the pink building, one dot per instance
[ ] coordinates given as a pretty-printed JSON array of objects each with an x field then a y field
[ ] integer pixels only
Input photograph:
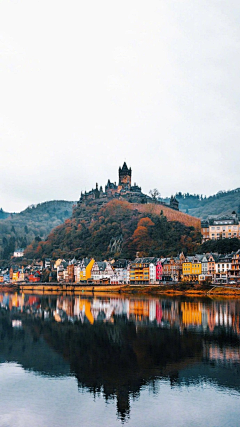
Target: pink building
[{"x": 159, "y": 270}]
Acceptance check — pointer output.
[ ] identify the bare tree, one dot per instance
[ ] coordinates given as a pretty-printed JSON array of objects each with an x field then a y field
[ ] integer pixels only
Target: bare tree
[{"x": 155, "y": 194}]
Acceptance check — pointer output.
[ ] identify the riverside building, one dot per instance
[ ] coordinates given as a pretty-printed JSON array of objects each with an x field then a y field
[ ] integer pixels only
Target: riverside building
[{"x": 220, "y": 227}]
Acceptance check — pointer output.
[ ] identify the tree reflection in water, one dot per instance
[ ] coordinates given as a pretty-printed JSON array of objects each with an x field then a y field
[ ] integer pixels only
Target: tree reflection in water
[{"x": 119, "y": 357}]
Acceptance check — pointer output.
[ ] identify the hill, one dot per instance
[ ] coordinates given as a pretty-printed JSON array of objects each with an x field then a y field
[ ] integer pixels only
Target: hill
[
  {"x": 120, "y": 228},
  {"x": 4, "y": 215},
  {"x": 202, "y": 206},
  {"x": 35, "y": 222}
]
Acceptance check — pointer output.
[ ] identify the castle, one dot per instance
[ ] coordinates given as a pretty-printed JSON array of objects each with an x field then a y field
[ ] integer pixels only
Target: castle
[{"x": 123, "y": 191}]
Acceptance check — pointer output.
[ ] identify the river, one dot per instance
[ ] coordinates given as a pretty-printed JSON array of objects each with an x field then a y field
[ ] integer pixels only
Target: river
[{"x": 112, "y": 361}]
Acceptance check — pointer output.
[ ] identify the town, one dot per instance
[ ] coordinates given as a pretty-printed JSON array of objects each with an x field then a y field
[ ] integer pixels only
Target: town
[
  {"x": 208, "y": 267},
  {"x": 204, "y": 268}
]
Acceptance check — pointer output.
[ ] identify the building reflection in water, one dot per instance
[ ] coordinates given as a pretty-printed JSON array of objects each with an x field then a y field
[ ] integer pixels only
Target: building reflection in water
[{"x": 115, "y": 346}]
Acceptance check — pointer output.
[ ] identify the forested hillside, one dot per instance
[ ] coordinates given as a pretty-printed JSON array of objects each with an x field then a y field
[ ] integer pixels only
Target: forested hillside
[
  {"x": 93, "y": 232},
  {"x": 4, "y": 215},
  {"x": 35, "y": 222},
  {"x": 221, "y": 246},
  {"x": 119, "y": 229},
  {"x": 201, "y": 206}
]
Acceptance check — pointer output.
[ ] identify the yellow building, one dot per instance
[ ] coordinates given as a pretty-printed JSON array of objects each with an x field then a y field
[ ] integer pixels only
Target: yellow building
[
  {"x": 196, "y": 268},
  {"x": 15, "y": 276},
  {"x": 186, "y": 270},
  {"x": 191, "y": 269},
  {"x": 86, "y": 269}
]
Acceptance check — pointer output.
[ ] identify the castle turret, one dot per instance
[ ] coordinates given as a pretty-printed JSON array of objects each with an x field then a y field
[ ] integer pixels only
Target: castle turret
[{"x": 125, "y": 176}]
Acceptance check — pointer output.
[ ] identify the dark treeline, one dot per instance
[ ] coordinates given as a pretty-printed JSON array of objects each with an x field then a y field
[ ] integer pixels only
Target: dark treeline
[{"x": 221, "y": 246}]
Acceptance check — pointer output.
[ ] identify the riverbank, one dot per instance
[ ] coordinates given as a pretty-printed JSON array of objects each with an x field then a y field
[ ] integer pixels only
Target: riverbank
[{"x": 175, "y": 289}]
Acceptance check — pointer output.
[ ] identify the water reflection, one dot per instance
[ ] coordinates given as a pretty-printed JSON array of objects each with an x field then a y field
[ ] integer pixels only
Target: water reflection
[{"x": 115, "y": 346}]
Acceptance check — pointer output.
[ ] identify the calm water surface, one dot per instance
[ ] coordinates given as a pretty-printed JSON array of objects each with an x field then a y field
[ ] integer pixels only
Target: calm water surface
[{"x": 112, "y": 361}]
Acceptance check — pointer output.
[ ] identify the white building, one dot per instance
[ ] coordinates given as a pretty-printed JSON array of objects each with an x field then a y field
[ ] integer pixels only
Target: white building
[
  {"x": 102, "y": 270},
  {"x": 18, "y": 252},
  {"x": 152, "y": 272}
]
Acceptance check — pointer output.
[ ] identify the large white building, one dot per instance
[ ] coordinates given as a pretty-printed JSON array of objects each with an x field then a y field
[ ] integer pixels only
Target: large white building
[{"x": 220, "y": 227}]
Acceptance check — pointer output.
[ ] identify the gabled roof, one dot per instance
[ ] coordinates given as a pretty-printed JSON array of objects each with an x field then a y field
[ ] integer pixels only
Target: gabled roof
[
  {"x": 120, "y": 263},
  {"x": 101, "y": 265},
  {"x": 86, "y": 261},
  {"x": 165, "y": 260},
  {"x": 64, "y": 264},
  {"x": 145, "y": 260},
  {"x": 199, "y": 257},
  {"x": 189, "y": 258}
]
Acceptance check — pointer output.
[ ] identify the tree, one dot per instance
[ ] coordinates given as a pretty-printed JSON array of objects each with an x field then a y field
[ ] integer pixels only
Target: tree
[{"x": 154, "y": 194}]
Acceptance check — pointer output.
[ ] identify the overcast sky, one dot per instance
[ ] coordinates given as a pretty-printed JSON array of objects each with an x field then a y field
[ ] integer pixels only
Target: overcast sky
[{"x": 87, "y": 85}]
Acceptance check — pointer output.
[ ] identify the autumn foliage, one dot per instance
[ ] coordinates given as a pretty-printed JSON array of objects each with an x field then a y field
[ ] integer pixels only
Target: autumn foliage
[
  {"x": 121, "y": 229},
  {"x": 170, "y": 214}
]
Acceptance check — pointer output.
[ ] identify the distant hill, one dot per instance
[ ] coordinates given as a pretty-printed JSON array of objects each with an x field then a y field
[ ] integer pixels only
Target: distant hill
[
  {"x": 4, "y": 215},
  {"x": 35, "y": 222},
  {"x": 200, "y": 206},
  {"x": 120, "y": 228}
]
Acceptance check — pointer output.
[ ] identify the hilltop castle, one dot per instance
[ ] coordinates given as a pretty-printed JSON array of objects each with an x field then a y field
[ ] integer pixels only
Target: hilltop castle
[{"x": 123, "y": 191}]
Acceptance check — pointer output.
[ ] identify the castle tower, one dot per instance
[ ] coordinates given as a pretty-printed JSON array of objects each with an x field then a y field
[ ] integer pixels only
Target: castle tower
[
  {"x": 125, "y": 176},
  {"x": 174, "y": 204}
]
